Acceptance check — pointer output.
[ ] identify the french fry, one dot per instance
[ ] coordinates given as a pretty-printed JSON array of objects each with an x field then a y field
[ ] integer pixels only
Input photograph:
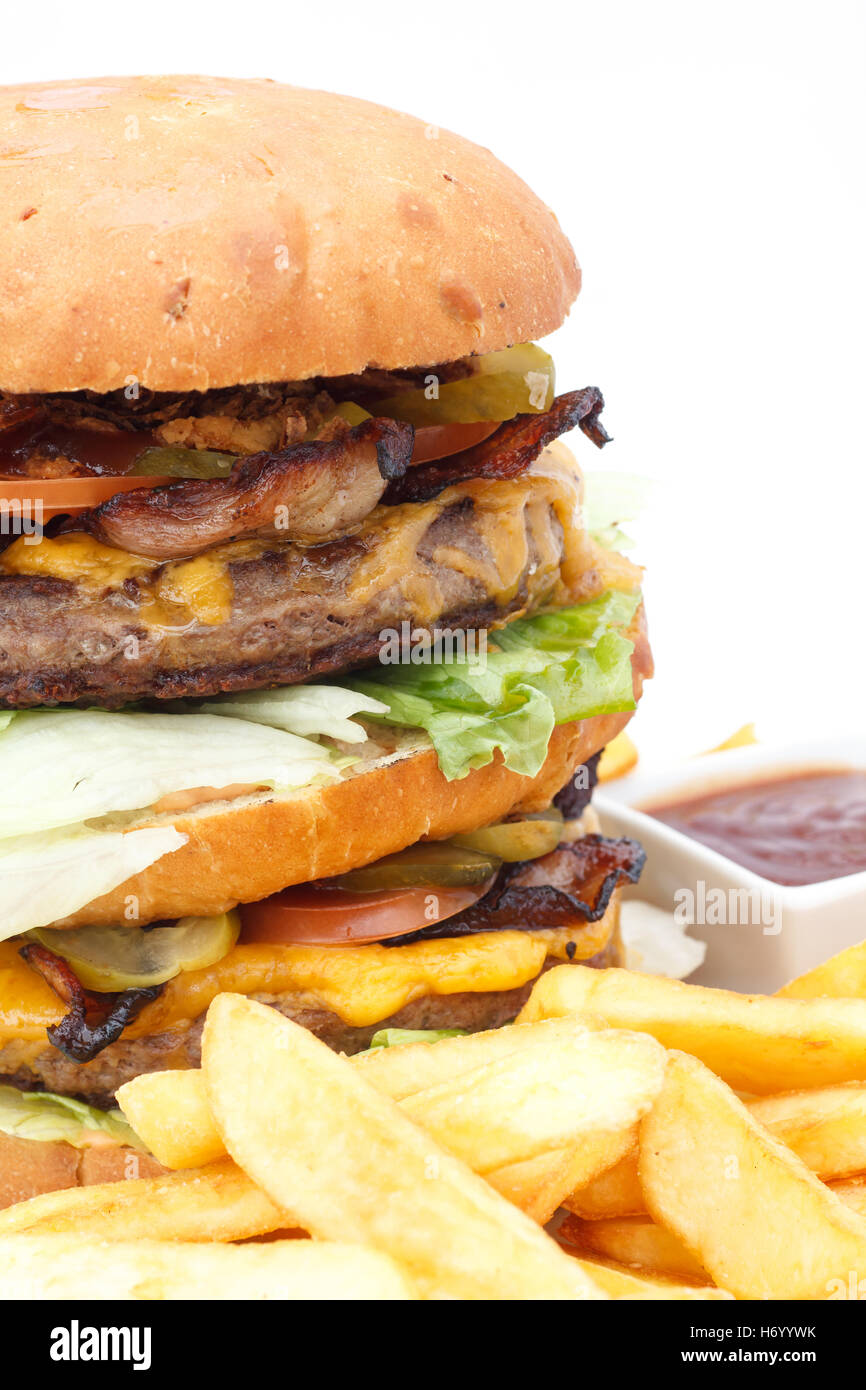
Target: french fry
[
  {"x": 169, "y": 1112},
  {"x": 541, "y": 1185},
  {"x": 214, "y": 1203},
  {"x": 615, "y": 1192},
  {"x": 541, "y": 1121},
  {"x": 74, "y": 1267},
  {"x": 342, "y": 1159},
  {"x": 617, "y": 758},
  {"x": 742, "y": 1204},
  {"x": 638, "y": 1242},
  {"x": 757, "y": 1043},
  {"x": 825, "y": 1128},
  {"x": 842, "y": 976},
  {"x": 853, "y": 1193},
  {"x": 541, "y": 1098},
  {"x": 743, "y": 737},
  {"x": 404, "y": 1071},
  {"x": 623, "y": 1283}
]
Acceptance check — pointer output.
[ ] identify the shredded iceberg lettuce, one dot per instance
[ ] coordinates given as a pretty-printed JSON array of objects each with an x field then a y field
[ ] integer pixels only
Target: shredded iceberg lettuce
[
  {"x": 43, "y": 1115},
  {"x": 48, "y": 876},
  {"x": 65, "y": 767},
  {"x": 313, "y": 711}
]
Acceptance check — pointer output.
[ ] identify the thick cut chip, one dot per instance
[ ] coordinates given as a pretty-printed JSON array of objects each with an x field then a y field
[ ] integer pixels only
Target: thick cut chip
[
  {"x": 842, "y": 976},
  {"x": 825, "y": 1128},
  {"x": 757, "y": 1043},
  {"x": 215, "y": 1203},
  {"x": 747, "y": 1208},
  {"x": 637, "y": 1242},
  {"x": 76, "y": 1267},
  {"x": 343, "y": 1160},
  {"x": 624, "y": 1283}
]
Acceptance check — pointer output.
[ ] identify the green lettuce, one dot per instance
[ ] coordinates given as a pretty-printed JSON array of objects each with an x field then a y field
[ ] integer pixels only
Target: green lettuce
[
  {"x": 396, "y": 1037},
  {"x": 41, "y": 1115},
  {"x": 538, "y": 672}
]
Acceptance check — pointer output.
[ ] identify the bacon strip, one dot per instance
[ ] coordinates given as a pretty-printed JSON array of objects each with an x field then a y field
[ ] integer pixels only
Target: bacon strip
[
  {"x": 312, "y": 491},
  {"x": 508, "y": 452},
  {"x": 569, "y": 887},
  {"x": 94, "y": 1020}
]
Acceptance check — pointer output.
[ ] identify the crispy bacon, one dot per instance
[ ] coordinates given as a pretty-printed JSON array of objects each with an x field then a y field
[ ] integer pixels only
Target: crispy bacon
[
  {"x": 94, "y": 1020},
  {"x": 569, "y": 887},
  {"x": 312, "y": 491},
  {"x": 508, "y": 452}
]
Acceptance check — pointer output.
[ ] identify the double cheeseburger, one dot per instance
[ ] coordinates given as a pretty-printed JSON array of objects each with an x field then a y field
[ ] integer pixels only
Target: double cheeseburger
[{"x": 306, "y": 654}]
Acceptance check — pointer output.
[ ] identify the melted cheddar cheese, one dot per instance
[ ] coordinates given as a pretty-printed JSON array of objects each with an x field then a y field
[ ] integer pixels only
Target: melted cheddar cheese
[
  {"x": 361, "y": 984},
  {"x": 199, "y": 589}
]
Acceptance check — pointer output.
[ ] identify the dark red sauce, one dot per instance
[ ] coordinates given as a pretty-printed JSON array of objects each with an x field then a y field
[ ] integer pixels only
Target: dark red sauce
[{"x": 798, "y": 829}]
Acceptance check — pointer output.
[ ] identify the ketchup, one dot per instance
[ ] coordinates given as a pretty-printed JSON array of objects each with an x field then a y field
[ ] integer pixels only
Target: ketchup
[{"x": 797, "y": 829}]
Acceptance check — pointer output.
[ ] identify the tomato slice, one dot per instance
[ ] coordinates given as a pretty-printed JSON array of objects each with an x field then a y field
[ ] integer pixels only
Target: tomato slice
[
  {"x": 440, "y": 441},
  {"x": 49, "y": 497},
  {"x": 313, "y": 914}
]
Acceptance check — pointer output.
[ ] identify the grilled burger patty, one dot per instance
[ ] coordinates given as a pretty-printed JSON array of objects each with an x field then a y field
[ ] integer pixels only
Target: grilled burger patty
[{"x": 80, "y": 621}]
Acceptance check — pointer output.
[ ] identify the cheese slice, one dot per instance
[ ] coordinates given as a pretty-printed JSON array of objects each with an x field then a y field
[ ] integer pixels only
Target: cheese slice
[{"x": 361, "y": 984}]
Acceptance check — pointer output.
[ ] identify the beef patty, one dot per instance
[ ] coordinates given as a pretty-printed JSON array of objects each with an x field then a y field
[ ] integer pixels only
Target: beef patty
[{"x": 101, "y": 626}]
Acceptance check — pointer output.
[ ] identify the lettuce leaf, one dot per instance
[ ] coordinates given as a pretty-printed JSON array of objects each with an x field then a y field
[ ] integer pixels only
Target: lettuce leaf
[
  {"x": 64, "y": 767},
  {"x": 396, "y": 1037},
  {"x": 545, "y": 670},
  {"x": 42, "y": 1115},
  {"x": 47, "y": 876},
  {"x": 308, "y": 710}
]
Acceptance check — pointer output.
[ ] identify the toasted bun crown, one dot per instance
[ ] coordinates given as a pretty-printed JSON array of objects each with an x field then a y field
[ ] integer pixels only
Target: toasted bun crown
[{"x": 189, "y": 232}]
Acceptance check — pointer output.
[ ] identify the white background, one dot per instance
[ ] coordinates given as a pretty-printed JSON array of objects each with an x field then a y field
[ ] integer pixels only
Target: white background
[{"x": 707, "y": 162}]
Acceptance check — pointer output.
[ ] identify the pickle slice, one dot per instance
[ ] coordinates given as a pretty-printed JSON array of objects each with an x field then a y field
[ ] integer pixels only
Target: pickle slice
[
  {"x": 433, "y": 865},
  {"x": 515, "y": 840},
  {"x": 118, "y": 958},
  {"x": 517, "y": 381},
  {"x": 184, "y": 463}
]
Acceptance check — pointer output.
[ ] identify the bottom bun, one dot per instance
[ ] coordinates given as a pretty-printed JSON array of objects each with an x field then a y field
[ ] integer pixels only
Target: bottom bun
[{"x": 29, "y": 1167}]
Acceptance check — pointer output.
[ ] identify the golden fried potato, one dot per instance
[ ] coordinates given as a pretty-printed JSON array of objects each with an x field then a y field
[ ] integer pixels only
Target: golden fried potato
[
  {"x": 214, "y": 1203},
  {"x": 638, "y": 1243},
  {"x": 742, "y": 1204},
  {"x": 842, "y": 976},
  {"x": 757, "y": 1043},
  {"x": 76, "y": 1267},
  {"x": 619, "y": 1282},
  {"x": 342, "y": 1159}
]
